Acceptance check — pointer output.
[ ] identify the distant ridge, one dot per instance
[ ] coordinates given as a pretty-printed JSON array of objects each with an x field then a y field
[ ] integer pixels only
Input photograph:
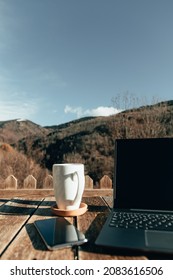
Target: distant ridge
[
  {"x": 65, "y": 125},
  {"x": 12, "y": 131}
]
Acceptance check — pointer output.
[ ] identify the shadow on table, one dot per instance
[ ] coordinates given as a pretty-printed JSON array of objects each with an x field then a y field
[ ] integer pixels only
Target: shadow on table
[
  {"x": 26, "y": 207},
  {"x": 4, "y": 200},
  {"x": 35, "y": 238}
]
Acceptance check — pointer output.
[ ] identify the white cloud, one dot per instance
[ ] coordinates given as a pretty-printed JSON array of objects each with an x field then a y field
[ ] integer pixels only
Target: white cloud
[
  {"x": 104, "y": 111},
  {"x": 99, "y": 111},
  {"x": 14, "y": 102},
  {"x": 77, "y": 111},
  {"x": 17, "y": 101},
  {"x": 14, "y": 109}
]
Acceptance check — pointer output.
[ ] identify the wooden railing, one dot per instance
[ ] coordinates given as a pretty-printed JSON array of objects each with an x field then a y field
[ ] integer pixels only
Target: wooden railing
[{"x": 30, "y": 182}]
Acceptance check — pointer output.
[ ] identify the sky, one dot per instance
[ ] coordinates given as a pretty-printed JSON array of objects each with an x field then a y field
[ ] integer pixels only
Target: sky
[{"x": 61, "y": 60}]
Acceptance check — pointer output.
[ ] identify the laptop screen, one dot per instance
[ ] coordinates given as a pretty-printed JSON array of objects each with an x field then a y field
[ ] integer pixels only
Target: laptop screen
[{"x": 144, "y": 174}]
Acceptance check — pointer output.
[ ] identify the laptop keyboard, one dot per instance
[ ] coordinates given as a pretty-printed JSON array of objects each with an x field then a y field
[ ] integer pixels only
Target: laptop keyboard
[{"x": 141, "y": 220}]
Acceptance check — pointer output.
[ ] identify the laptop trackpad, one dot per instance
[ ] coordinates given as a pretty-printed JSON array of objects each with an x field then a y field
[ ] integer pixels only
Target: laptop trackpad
[{"x": 159, "y": 239}]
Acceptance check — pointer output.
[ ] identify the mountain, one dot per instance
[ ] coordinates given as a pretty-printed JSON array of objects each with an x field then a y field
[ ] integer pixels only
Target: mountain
[
  {"x": 13, "y": 130},
  {"x": 91, "y": 140}
]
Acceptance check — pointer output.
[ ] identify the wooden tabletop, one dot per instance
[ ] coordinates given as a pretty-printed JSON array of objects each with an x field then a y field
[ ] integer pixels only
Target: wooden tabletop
[{"x": 19, "y": 239}]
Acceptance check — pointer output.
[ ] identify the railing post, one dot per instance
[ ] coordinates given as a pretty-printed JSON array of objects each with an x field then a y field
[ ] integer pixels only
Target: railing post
[
  {"x": 88, "y": 182},
  {"x": 105, "y": 182},
  {"x": 10, "y": 182},
  {"x": 30, "y": 182},
  {"x": 48, "y": 182}
]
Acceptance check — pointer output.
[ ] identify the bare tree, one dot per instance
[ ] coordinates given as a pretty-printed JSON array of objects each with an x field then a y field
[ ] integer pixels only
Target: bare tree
[{"x": 139, "y": 118}]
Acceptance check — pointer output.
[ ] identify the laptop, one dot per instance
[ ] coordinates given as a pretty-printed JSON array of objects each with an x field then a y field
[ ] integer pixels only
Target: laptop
[{"x": 142, "y": 213}]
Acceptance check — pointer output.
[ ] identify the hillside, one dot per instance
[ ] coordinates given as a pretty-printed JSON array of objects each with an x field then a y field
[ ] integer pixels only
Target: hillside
[
  {"x": 91, "y": 140},
  {"x": 13, "y": 130},
  {"x": 15, "y": 163}
]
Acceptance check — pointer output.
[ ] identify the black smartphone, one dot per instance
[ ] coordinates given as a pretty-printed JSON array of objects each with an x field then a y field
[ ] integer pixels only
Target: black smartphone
[{"x": 58, "y": 233}]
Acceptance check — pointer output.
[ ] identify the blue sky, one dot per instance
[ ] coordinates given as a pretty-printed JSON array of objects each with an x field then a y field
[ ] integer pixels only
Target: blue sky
[{"x": 65, "y": 59}]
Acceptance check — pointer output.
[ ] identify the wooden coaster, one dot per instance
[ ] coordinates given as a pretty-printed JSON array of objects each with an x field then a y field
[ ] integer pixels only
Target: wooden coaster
[{"x": 70, "y": 213}]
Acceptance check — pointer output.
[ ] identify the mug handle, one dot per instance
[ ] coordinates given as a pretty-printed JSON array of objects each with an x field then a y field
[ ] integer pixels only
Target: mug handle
[{"x": 78, "y": 193}]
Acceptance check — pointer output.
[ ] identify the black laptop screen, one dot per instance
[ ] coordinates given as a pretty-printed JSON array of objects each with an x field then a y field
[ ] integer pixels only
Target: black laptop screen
[{"x": 144, "y": 174}]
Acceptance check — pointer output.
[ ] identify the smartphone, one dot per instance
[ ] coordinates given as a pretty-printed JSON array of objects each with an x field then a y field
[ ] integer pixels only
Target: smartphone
[{"x": 58, "y": 233}]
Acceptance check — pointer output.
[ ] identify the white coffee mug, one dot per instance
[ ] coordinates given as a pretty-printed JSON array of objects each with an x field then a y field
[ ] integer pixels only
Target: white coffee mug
[{"x": 68, "y": 184}]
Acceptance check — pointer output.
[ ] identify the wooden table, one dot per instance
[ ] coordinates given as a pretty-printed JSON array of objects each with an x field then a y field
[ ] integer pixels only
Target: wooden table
[{"x": 19, "y": 239}]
